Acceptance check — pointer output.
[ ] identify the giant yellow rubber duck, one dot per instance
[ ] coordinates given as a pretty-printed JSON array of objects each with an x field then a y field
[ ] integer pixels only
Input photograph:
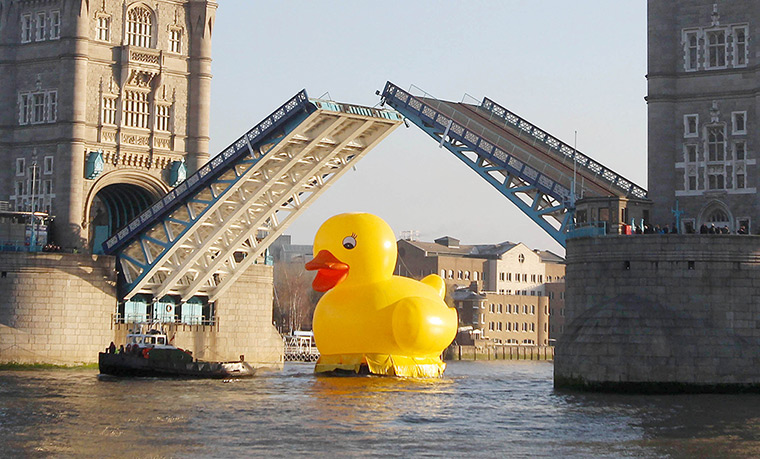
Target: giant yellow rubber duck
[{"x": 369, "y": 318}]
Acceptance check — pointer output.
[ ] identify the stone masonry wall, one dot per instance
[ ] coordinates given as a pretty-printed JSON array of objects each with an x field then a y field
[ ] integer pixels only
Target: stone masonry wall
[
  {"x": 662, "y": 312},
  {"x": 55, "y": 308}
]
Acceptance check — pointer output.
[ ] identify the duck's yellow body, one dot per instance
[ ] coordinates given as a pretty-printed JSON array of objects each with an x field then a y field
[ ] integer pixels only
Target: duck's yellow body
[{"x": 393, "y": 325}]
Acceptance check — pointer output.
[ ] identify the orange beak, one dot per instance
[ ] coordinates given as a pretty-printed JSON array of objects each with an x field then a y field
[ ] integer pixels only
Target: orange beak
[{"x": 330, "y": 271}]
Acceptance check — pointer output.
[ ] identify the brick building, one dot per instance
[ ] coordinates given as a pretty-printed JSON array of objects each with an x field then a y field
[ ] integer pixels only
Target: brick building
[
  {"x": 106, "y": 106},
  {"x": 505, "y": 291},
  {"x": 703, "y": 110}
]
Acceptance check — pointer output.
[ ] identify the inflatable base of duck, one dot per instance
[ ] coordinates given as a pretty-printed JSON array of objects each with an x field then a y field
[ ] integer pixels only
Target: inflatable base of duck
[{"x": 382, "y": 364}]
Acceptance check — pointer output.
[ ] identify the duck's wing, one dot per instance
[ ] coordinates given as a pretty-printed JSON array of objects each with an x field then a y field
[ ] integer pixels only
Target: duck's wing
[{"x": 436, "y": 281}]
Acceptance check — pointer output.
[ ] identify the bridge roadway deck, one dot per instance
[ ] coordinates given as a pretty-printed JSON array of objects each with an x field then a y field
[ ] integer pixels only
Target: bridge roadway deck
[{"x": 525, "y": 147}]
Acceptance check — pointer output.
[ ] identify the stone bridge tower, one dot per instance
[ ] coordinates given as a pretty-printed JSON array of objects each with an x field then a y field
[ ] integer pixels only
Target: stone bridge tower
[
  {"x": 106, "y": 104},
  {"x": 704, "y": 112}
]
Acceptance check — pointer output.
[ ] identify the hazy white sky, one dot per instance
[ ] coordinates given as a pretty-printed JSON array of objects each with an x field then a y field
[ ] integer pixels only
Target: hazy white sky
[{"x": 565, "y": 66}]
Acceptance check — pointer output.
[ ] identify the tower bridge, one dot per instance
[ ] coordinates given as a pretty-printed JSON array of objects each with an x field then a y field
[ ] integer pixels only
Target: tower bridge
[{"x": 197, "y": 239}]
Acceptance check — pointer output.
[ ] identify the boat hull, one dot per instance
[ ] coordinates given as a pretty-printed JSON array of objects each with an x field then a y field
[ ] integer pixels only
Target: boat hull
[{"x": 130, "y": 365}]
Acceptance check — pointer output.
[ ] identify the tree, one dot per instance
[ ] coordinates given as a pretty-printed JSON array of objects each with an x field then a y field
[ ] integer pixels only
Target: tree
[{"x": 294, "y": 299}]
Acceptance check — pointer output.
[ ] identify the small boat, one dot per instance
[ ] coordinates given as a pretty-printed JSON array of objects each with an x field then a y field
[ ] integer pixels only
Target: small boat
[{"x": 149, "y": 353}]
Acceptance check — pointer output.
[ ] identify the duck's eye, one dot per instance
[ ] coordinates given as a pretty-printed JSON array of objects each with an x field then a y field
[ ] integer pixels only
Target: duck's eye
[{"x": 349, "y": 242}]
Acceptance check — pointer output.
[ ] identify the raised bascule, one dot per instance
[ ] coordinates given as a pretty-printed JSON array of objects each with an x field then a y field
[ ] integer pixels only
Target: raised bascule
[
  {"x": 197, "y": 240},
  {"x": 529, "y": 166}
]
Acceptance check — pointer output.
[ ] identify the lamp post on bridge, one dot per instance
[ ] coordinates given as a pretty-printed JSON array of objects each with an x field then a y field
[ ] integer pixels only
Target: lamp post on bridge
[
  {"x": 677, "y": 214},
  {"x": 33, "y": 235}
]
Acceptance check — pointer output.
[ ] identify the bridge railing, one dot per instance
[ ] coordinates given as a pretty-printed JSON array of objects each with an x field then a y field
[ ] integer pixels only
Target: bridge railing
[
  {"x": 455, "y": 126},
  {"x": 220, "y": 162},
  {"x": 563, "y": 150}
]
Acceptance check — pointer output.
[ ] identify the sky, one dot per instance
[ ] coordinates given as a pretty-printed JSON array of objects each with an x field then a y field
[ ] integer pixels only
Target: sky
[{"x": 565, "y": 66}]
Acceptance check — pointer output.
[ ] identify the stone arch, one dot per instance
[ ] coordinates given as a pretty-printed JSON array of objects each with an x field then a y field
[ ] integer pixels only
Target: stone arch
[
  {"x": 716, "y": 213},
  {"x": 117, "y": 197}
]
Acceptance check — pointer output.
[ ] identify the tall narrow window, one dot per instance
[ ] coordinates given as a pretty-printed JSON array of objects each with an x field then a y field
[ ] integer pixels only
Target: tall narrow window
[
  {"x": 690, "y": 123},
  {"x": 163, "y": 115},
  {"x": 38, "y": 110},
  {"x": 715, "y": 180},
  {"x": 55, "y": 25},
  {"x": 692, "y": 181},
  {"x": 136, "y": 109},
  {"x": 739, "y": 123},
  {"x": 740, "y": 180},
  {"x": 716, "y": 49},
  {"x": 51, "y": 106},
  {"x": 24, "y": 109},
  {"x": 47, "y": 167},
  {"x": 39, "y": 34},
  {"x": 716, "y": 145},
  {"x": 26, "y": 28},
  {"x": 139, "y": 27},
  {"x": 740, "y": 150},
  {"x": 740, "y": 46},
  {"x": 692, "y": 43},
  {"x": 20, "y": 167},
  {"x": 103, "y": 28},
  {"x": 109, "y": 110},
  {"x": 175, "y": 40}
]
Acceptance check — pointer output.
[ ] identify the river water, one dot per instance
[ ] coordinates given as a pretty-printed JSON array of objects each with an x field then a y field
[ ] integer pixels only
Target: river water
[{"x": 481, "y": 409}]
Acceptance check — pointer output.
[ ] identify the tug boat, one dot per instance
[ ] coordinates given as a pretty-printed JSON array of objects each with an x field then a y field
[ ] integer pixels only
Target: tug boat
[{"x": 148, "y": 353}]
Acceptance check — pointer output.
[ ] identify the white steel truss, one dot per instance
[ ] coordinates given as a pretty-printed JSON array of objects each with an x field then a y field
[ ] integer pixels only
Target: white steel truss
[{"x": 215, "y": 235}]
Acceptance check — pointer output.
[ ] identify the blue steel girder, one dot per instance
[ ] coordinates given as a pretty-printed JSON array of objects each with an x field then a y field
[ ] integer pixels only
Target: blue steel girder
[
  {"x": 210, "y": 237},
  {"x": 537, "y": 195}
]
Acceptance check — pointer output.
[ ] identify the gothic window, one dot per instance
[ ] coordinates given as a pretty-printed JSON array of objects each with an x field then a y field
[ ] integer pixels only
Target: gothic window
[
  {"x": 26, "y": 28},
  {"x": 690, "y": 153},
  {"x": 740, "y": 46},
  {"x": 103, "y": 28},
  {"x": 716, "y": 180},
  {"x": 690, "y": 123},
  {"x": 55, "y": 25},
  {"x": 740, "y": 150},
  {"x": 47, "y": 167},
  {"x": 716, "y": 143},
  {"x": 51, "y": 106},
  {"x": 717, "y": 216},
  {"x": 692, "y": 47},
  {"x": 109, "y": 110},
  {"x": 38, "y": 107},
  {"x": 716, "y": 49},
  {"x": 740, "y": 183},
  {"x": 40, "y": 27},
  {"x": 24, "y": 108},
  {"x": 175, "y": 40},
  {"x": 163, "y": 116},
  {"x": 136, "y": 109},
  {"x": 20, "y": 167},
  {"x": 739, "y": 123},
  {"x": 139, "y": 27},
  {"x": 692, "y": 180}
]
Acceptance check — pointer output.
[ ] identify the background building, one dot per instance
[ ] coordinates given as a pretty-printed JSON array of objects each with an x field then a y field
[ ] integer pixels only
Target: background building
[
  {"x": 703, "y": 112},
  {"x": 507, "y": 292},
  {"x": 107, "y": 107}
]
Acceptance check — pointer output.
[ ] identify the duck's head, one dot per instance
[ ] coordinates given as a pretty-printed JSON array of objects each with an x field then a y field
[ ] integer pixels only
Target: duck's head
[{"x": 353, "y": 248}]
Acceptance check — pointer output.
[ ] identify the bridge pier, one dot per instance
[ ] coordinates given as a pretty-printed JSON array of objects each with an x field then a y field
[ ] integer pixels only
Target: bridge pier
[
  {"x": 59, "y": 308},
  {"x": 661, "y": 313}
]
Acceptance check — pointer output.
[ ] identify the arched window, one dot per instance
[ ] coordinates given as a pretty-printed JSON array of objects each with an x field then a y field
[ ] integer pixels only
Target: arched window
[
  {"x": 139, "y": 27},
  {"x": 718, "y": 216}
]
